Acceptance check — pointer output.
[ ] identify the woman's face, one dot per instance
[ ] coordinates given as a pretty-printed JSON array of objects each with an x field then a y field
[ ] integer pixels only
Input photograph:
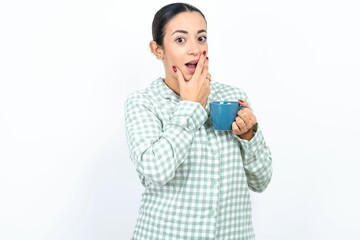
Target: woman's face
[{"x": 185, "y": 38}]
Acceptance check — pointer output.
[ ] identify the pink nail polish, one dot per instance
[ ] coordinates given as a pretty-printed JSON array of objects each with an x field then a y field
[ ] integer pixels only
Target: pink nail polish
[
  {"x": 174, "y": 68},
  {"x": 241, "y": 101},
  {"x": 204, "y": 52}
]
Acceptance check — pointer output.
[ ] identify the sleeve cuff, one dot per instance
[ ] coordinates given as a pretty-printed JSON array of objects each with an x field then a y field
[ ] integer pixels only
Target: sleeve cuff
[
  {"x": 254, "y": 144},
  {"x": 189, "y": 115}
]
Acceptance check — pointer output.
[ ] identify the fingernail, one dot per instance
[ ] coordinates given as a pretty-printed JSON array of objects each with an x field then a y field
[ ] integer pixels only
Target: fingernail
[
  {"x": 207, "y": 58},
  {"x": 241, "y": 101},
  {"x": 174, "y": 68},
  {"x": 204, "y": 52}
]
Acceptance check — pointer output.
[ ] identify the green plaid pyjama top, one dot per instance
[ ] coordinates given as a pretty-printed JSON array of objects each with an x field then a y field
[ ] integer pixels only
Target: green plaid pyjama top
[{"x": 197, "y": 180}]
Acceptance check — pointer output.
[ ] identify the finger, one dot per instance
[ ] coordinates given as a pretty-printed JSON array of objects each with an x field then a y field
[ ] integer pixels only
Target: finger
[
  {"x": 206, "y": 66},
  {"x": 208, "y": 76},
  {"x": 245, "y": 112},
  {"x": 248, "y": 117},
  {"x": 235, "y": 129},
  {"x": 205, "y": 71},
  {"x": 181, "y": 80},
  {"x": 179, "y": 75},
  {"x": 205, "y": 75},
  {"x": 244, "y": 103},
  {"x": 200, "y": 65},
  {"x": 241, "y": 124},
  {"x": 252, "y": 120}
]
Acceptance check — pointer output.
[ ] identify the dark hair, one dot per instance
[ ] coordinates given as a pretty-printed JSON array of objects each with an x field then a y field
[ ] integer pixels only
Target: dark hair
[{"x": 165, "y": 14}]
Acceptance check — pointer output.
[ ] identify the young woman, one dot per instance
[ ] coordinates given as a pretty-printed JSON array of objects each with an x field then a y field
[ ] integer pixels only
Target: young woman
[{"x": 197, "y": 180}]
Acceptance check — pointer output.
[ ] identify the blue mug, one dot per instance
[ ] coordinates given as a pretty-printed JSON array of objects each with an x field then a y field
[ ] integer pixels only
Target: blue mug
[{"x": 223, "y": 114}]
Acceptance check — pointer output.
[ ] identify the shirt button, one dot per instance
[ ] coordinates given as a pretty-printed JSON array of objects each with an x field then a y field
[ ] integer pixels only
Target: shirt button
[
  {"x": 212, "y": 213},
  {"x": 214, "y": 183}
]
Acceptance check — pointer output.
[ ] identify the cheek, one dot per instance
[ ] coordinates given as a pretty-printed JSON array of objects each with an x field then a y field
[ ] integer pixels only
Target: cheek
[
  {"x": 173, "y": 53},
  {"x": 173, "y": 59}
]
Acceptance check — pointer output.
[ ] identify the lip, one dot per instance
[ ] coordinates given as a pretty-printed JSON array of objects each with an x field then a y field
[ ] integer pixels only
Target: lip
[
  {"x": 192, "y": 62},
  {"x": 191, "y": 69}
]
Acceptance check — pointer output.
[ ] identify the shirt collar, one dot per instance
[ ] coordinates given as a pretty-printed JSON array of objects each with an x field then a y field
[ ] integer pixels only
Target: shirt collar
[{"x": 161, "y": 89}]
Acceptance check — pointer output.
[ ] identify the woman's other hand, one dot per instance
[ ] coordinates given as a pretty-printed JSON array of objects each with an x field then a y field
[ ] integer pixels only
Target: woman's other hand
[{"x": 244, "y": 122}]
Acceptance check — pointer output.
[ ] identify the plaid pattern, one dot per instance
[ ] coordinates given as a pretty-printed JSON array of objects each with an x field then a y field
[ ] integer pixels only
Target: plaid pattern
[{"x": 196, "y": 180}]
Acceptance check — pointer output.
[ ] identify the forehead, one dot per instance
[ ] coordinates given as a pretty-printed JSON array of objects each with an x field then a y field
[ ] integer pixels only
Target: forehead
[{"x": 189, "y": 21}]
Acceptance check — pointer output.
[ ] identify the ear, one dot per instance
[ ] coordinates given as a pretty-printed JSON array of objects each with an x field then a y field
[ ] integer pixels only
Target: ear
[{"x": 157, "y": 50}]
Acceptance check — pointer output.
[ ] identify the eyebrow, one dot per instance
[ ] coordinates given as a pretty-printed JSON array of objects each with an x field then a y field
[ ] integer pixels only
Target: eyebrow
[{"x": 186, "y": 32}]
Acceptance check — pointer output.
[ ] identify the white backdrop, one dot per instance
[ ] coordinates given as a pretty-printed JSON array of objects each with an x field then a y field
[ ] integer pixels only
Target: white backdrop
[{"x": 66, "y": 68}]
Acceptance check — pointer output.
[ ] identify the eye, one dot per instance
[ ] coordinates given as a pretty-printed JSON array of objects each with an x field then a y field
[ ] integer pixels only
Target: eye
[
  {"x": 202, "y": 39},
  {"x": 180, "y": 40}
]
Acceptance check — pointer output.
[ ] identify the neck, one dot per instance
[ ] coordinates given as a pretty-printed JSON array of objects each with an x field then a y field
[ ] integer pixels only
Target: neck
[{"x": 173, "y": 85}]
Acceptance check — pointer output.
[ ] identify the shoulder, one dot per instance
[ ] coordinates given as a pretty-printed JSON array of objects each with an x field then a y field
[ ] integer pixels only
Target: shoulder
[
  {"x": 141, "y": 98},
  {"x": 137, "y": 97}
]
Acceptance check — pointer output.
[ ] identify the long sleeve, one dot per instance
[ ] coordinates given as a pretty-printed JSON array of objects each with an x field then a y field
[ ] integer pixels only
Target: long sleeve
[
  {"x": 255, "y": 154},
  {"x": 157, "y": 150},
  {"x": 257, "y": 162},
  {"x": 197, "y": 180}
]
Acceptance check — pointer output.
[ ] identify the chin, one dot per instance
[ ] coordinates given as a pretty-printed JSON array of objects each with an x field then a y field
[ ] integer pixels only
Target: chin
[{"x": 188, "y": 77}]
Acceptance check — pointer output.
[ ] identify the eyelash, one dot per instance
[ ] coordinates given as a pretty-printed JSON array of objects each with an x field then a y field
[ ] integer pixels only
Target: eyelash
[
  {"x": 178, "y": 40},
  {"x": 203, "y": 37},
  {"x": 181, "y": 39}
]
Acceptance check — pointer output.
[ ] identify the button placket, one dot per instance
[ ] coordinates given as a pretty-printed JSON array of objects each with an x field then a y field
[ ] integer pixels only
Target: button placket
[
  {"x": 214, "y": 183},
  {"x": 212, "y": 213}
]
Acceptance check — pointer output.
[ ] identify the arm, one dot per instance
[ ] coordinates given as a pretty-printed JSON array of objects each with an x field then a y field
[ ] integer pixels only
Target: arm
[
  {"x": 157, "y": 151},
  {"x": 257, "y": 160},
  {"x": 255, "y": 153}
]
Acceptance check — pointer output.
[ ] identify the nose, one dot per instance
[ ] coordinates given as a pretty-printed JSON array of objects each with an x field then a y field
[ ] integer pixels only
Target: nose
[{"x": 194, "y": 48}]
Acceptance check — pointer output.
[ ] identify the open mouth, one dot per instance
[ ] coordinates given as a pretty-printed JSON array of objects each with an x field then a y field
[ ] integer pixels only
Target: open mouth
[{"x": 191, "y": 65}]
